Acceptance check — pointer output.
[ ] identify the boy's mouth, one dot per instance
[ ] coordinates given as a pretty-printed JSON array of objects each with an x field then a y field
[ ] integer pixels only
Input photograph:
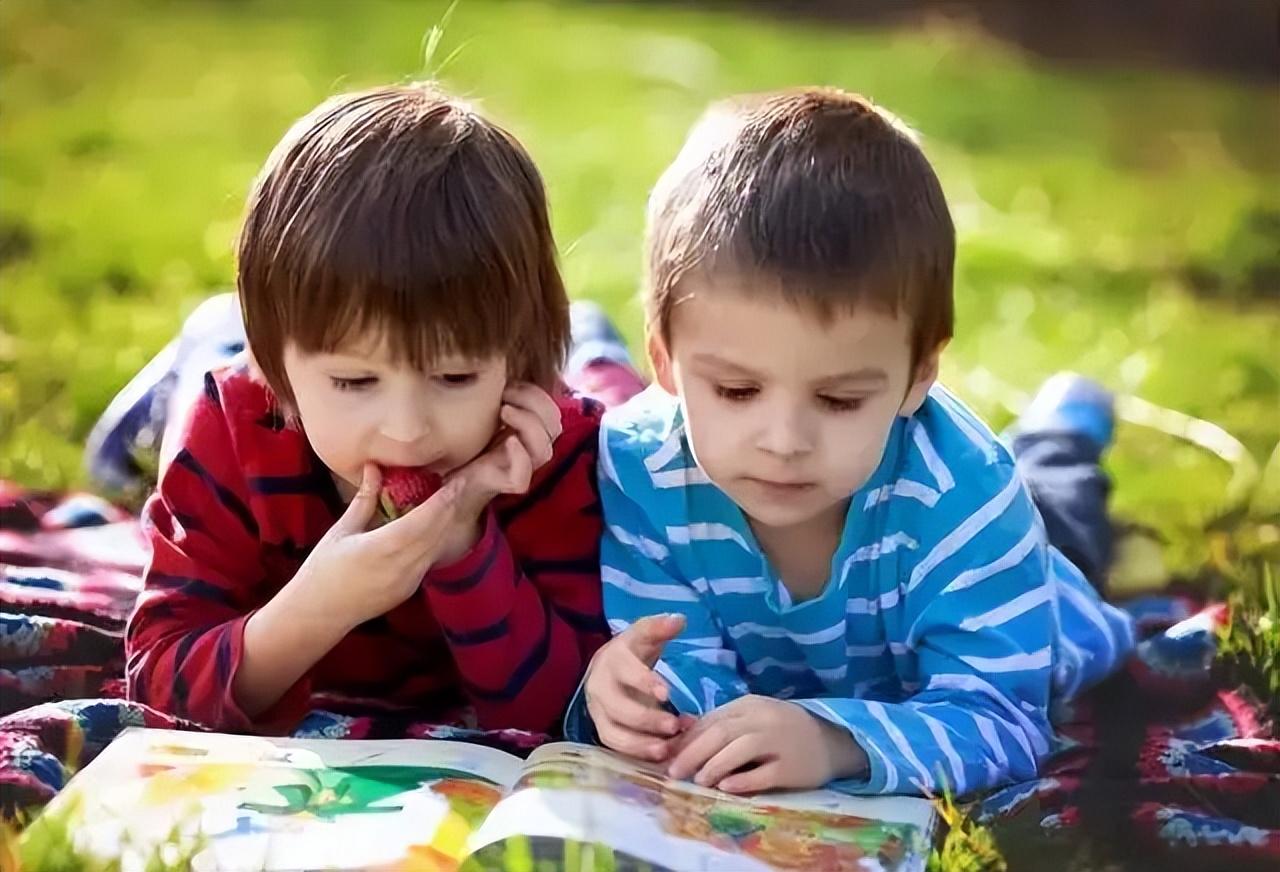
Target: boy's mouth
[{"x": 781, "y": 487}]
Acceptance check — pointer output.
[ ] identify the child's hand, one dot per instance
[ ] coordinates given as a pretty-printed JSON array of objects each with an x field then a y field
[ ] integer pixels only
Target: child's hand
[
  {"x": 532, "y": 424},
  {"x": 625, "y": 696},
  {"x": 355, "y": 574},
  {"x": 758, "y": 743}
]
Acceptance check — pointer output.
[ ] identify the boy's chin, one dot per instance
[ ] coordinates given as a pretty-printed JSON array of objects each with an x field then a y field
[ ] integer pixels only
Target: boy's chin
[{"x": 774, "y": 514}]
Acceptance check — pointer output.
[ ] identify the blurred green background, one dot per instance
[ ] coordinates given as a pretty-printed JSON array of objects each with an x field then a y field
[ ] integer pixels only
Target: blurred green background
[{"x": 1117, "y": 219}]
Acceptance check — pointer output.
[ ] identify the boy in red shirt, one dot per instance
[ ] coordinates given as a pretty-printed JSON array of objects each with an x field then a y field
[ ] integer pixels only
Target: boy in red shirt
[{"x": 403, "y": 309}]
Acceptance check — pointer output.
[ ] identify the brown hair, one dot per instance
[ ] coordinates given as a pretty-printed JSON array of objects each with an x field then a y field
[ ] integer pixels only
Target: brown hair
[
  {"x": 400, "y": 211},
  {"x": 817, "y": 189}
]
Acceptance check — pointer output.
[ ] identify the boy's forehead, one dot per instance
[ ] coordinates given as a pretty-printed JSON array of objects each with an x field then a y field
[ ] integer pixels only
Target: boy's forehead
[
  {"x": 715, "y": 326},
  {"x": 376, "y": 347}
]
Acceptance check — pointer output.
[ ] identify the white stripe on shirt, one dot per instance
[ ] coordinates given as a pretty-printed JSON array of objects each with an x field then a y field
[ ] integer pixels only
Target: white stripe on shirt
[
  {"x": 1012, "y": 662},
  {"x": 1007, "y": 611},
  {"x": 645, "y": 589},
  {"x": 683, "y": 476},
  {"x": 932, "y": 461},
  {"x": 707, "y": 532},
  {"x": 646, "y": 546},
  {"x": 903, "y": 487},
  {"x": 960, "y": 536}
]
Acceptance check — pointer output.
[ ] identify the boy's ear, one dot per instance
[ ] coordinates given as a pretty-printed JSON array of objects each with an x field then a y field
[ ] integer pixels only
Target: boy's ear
[
  {"x": 925, "y": 375},
  {"x": 660, "y": 361}
]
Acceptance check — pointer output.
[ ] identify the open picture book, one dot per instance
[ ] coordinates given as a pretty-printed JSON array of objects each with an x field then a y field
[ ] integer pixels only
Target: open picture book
[{"x": 251, "y": 803}]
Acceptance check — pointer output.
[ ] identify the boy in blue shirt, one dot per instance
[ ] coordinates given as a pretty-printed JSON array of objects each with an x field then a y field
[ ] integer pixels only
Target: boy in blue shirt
[{"x": 822, "y": 566}]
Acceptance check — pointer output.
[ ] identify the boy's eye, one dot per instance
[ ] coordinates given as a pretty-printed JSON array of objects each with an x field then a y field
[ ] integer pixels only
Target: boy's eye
[
  {"x": 457, "y": 379},
  {"x": 737, "y": 393},
  {"x": 842, "y": 404},
  {"x": 354, "y": 384}
]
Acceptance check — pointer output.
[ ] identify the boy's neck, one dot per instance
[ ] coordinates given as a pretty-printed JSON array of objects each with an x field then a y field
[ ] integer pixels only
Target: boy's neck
[{"x": 801, "y": 554}]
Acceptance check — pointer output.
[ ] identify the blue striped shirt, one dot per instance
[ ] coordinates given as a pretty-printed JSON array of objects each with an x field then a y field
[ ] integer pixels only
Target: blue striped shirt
[{"x": 945, "y": 625}]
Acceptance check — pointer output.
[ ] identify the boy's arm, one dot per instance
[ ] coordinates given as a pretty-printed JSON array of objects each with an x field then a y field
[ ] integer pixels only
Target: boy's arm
[
  {"x": 522, "y": 614},
  {"x": 978, "y": 624},
  {"x": 185, "y": 640},
  {"x": 641, "y": 578}
]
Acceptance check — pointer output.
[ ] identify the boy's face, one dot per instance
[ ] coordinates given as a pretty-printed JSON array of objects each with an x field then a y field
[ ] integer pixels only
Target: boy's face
[
  {"x": 787, "y": 414},
  {"x": 357, "y": 406}
]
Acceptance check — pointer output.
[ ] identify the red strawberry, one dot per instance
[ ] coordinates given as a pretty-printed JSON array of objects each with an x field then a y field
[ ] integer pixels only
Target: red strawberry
[{"x": 404, "y": 487}]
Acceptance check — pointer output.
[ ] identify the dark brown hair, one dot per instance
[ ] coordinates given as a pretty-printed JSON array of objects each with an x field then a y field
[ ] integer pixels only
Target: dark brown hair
[
  {"x": 827, "y": 195},
  {"x": 401, "y": 212}
]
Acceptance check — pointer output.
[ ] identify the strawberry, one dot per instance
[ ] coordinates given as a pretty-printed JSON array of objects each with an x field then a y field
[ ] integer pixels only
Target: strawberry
[{"x": 404, "y": 487}]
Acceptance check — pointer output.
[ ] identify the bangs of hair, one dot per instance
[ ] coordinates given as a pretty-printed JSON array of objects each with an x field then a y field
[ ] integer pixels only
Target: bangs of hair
[{"x": 400, "y": 215}]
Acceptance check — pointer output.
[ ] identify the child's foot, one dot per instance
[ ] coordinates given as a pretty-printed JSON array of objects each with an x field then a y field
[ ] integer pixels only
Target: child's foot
[
  {"x": 599, "y": 364},
  {"x": 594, "y": 338},
  {"x": 1070, "y": 403},
  {"x": 123, "y": 449}
]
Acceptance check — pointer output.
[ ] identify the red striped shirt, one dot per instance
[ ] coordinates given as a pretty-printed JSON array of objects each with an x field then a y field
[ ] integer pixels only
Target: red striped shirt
[{"x": 508, "y": 629}]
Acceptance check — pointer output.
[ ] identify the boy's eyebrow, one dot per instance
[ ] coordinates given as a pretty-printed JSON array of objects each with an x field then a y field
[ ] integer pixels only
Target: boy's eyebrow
[
  {"x": 708, "y": 359},
  {"x": 867, "y": 374}
]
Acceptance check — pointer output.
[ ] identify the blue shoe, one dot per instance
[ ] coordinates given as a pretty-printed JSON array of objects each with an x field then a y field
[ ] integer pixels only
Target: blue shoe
[
  {"x": 1070, "y": 403},
  {"x": 593, "y": 338},
  {"x": 123, "y": 450}
]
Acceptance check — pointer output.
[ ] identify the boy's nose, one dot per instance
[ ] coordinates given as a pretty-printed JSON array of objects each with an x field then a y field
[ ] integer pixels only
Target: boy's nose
[
  {"x": 785, "y": 435},
  {"x": 407, "y": 424}
]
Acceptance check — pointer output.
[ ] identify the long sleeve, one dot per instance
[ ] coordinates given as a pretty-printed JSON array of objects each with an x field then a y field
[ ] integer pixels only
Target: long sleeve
[
  {"x": 640, "y": 579},
  {"x": 521, "y": 610},
  {"x": 185, "y": 638},
  {"x": 975, "y": 653}
]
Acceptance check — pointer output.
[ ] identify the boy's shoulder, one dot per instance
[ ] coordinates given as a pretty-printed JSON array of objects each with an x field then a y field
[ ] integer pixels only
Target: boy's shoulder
[
  {"x": 646, "y": 432},
  {"x": 237, "y": 413},
  {"x": 579, "y": 415},
  {"x": 950, "y": 464}
]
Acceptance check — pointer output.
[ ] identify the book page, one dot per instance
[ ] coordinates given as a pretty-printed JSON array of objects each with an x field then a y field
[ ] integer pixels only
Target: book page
[
  {"x": 246, "y": 802},
  {"x": 589, "y": 794}
]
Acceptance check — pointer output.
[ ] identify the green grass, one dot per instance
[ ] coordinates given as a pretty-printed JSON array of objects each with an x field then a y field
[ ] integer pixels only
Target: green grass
[{"x": 1122, "y": 222}]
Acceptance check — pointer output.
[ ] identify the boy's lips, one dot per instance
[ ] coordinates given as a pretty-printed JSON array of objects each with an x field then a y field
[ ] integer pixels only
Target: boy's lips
[{"x": 781, "y": 486}]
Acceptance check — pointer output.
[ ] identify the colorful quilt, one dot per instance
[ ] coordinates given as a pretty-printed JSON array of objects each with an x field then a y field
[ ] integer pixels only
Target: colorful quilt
[{"x": 1160, "y": 767}]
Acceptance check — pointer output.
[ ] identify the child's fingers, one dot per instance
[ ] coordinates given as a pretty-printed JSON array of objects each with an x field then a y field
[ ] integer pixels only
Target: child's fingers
[
  {"x": 532, "y": 433},
  {"x": 519, "y": 466},
  {"x": 699, "y": 746},
  {"x": 359, "y": 513},
  {"x": 631, "y": 742},
  {"x": 729, "y": 759},
  {"x": 648, "y": 636},
  {"x": 539, "y": 402},
  {"x": 639, "y": 713},
  {"x": 766, "y": 776},
  {"x": 627, "y": 670}
]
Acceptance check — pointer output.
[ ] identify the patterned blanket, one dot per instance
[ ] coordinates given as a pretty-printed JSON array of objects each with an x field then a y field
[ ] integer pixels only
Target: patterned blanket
[{"x": 1159, "y": 768}]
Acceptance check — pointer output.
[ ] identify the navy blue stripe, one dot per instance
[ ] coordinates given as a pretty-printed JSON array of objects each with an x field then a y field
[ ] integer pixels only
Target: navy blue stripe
[
  {"x": 470, "y": 580},
  {"x": 184, "y": 584},
  {"x": 579, "y": 565},
  {"x": 222, "y": 659},
  {"x": 272, "y": 421},
  {"x": 211, "y": 389},
  {"x": 291, "y": 550},
  {"x": 228, "y": 499},
  {"x": 181, "y": 692},
  {"x": 522, "y": 673},
  {"x": 582, "y": 621},
  {"x": 190, "y": 523},
  {"x": 496, "y": 630},
  {"x": 548, "y": 484},
  {"x": 283, "y": 485}
]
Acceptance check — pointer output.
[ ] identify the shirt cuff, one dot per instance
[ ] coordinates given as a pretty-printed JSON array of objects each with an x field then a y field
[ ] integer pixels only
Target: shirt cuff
[{"x": 282, "y": 716}]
